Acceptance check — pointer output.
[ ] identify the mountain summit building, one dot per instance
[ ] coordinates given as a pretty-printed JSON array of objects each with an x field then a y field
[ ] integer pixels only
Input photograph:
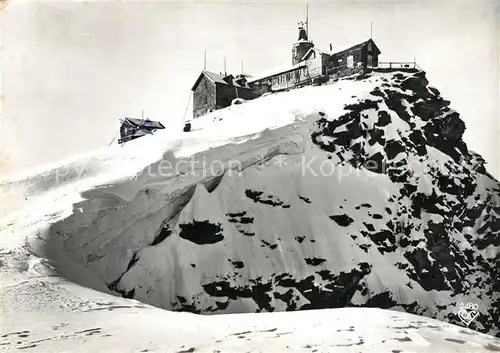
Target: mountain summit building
[
  {"x": 213, "y": 91},
  {"x": 309, "y": 65}
]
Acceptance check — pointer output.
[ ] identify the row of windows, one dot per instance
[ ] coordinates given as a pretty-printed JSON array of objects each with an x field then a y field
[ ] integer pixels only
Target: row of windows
[
  {"x": 291, "y": 76},
  {"x": 340, "y": 62}
]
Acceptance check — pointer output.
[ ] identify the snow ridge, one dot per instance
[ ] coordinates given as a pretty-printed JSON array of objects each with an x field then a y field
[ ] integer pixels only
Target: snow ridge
[{"x": 360, "y": 193}]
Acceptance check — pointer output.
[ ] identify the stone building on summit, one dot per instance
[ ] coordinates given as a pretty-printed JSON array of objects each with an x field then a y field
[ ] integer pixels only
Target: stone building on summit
[
  {"x": 213, "y": 91},
  {"x": 309, "y": 65}
]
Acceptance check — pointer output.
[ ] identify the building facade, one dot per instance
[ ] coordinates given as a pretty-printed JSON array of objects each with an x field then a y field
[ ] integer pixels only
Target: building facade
[
  {"x": 358, "y": 58},
  {"x": 309, "y": 66}
]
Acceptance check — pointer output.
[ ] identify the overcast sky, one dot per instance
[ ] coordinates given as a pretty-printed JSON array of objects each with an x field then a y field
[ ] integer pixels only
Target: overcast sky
[{"x": 72, "y": 69}]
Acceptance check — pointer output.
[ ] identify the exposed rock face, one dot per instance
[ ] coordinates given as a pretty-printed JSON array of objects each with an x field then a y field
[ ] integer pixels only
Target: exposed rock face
[{"x": 409, "y": 219}]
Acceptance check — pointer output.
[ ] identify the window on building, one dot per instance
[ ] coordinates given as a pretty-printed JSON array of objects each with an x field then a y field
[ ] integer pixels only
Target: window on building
[
  {"x": 350, "y": 61},
  {"x": 370, "y": 60}
]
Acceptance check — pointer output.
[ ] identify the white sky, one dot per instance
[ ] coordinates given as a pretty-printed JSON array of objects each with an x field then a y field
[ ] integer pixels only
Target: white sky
[{"x": 72, "y": 69}]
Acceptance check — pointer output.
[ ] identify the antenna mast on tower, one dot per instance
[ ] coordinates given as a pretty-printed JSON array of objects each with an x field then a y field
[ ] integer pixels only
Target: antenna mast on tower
[
  {"x": 205, "y": 60},
  {"x": 307, "y": 21}
]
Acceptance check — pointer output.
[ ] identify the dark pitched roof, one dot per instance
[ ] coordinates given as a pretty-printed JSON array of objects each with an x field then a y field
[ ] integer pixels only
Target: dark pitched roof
[
  {"x": 145, "y": 123},
  {"x": 360, "y": 45},
  {"x": 218, "y": 78}
]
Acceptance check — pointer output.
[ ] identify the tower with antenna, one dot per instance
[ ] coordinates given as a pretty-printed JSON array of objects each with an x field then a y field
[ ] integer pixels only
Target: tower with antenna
[{"x": 303, "y": 44}]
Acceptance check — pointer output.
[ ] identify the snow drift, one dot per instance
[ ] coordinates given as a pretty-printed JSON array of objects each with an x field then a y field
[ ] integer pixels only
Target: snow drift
[{"x": 360, "y": 193}]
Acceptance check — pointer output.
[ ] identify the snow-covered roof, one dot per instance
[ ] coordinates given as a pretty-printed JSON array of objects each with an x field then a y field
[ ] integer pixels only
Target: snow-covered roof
[
  {"x": 316, "y": 50},
  {"x": 219, "y": 78},
  {"x": 275, "y": 71},
  {"x": 303, "y": 41}
]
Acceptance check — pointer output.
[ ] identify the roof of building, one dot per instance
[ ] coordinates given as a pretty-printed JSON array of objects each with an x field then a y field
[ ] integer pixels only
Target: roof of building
[
  {"x": 313, "y": 49},
  {"x": 275, "y": 71},
  {"x": 143, "y": 123},
  {"x": 219, "y": 78},
  {"x": 359, "y": 45},
  {"x": 341, "y": 51}
]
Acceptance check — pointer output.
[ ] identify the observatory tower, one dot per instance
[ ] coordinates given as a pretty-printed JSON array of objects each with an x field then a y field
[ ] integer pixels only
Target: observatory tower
[{"x": 303, "y": 44}]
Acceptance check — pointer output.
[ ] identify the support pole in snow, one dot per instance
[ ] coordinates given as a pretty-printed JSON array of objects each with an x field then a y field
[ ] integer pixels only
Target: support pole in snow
[
  {"x": 187, "y": 126},
  {"x": 113, "y": 139},
  {"x": 185, "y": 112}
]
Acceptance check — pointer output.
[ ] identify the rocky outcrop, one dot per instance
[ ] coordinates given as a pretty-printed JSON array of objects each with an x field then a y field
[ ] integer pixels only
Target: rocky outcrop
[{"x": 408, "y": 218}]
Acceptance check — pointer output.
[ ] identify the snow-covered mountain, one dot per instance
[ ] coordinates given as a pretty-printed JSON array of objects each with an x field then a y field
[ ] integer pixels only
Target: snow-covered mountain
[{"x": 357, "y": 194}]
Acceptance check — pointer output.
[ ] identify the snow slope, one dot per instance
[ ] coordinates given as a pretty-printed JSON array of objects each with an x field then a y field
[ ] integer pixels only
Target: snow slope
[
  {"x": 46, "y": 314},
  {"x": 360, "y": 193}
]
